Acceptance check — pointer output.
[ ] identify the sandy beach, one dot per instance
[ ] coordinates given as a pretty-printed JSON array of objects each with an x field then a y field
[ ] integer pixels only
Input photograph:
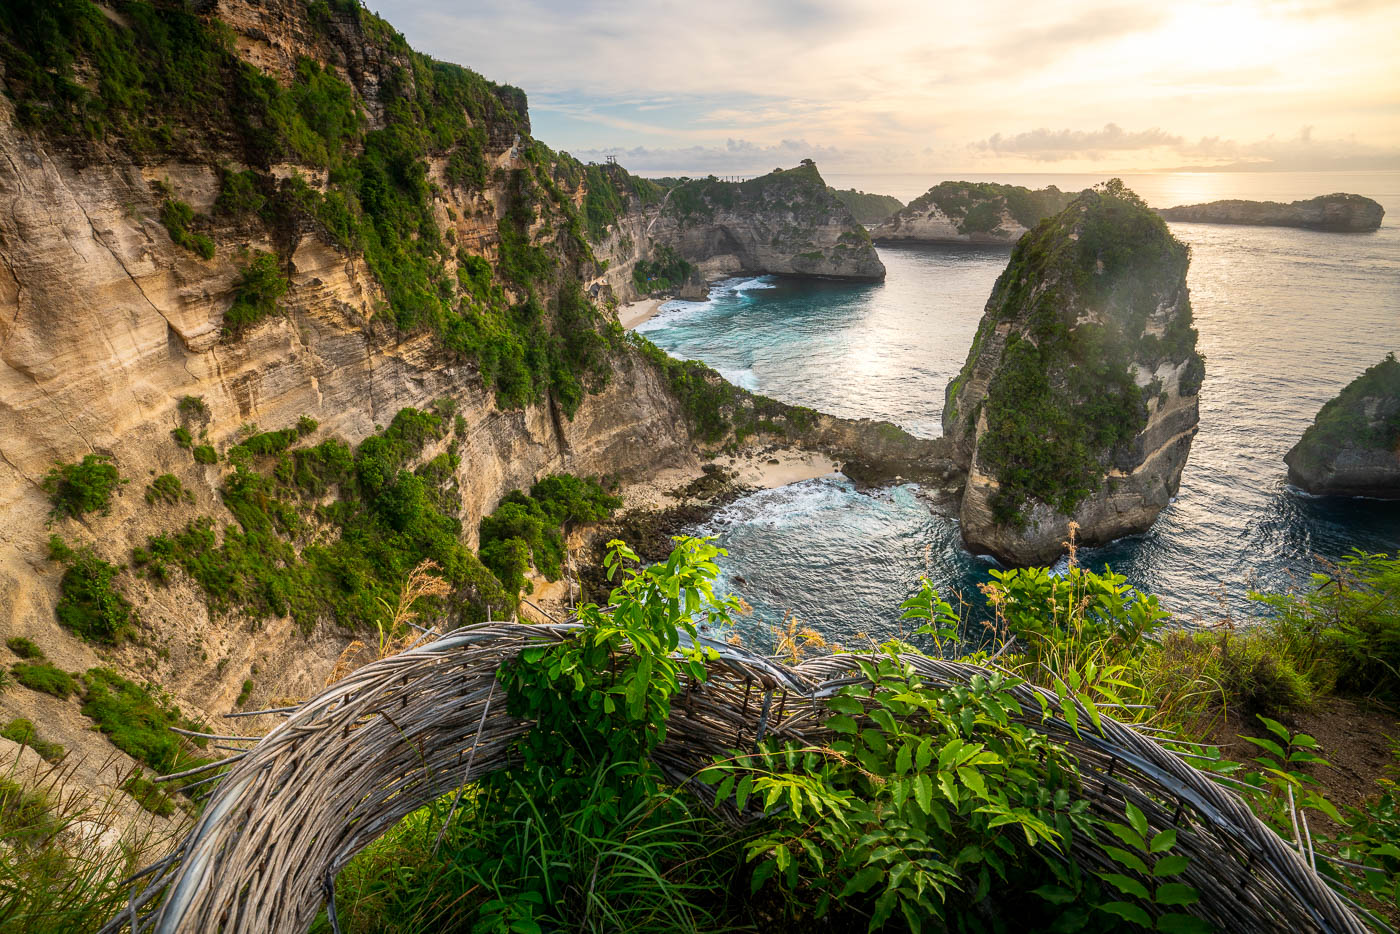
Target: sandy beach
[
  {"x": 755, "y": 467},
  {"x": 634, "y": 313}
]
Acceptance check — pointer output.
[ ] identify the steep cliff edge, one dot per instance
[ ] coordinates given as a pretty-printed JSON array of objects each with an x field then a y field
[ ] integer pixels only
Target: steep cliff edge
[
  {"x": 1341, "y": 213},
  {"x": 1352, "y": 448},
  {"x": 970, "y": 212},
  {"x": 1078, "y": 399},
  {"x": 787, "y": 222}
]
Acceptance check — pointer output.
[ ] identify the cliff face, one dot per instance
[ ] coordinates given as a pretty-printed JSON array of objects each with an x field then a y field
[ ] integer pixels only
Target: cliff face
[
  {"x": 971, "y": 212},
  {"x": 1078, "y": 399},
  {"x": 1352, "y": 448},
  {"x": 302, "y": 224},
  {"x": 106, "y": 323},
  {"x": 787, "y": 223},
  {"x": 1342, "y": 213}
]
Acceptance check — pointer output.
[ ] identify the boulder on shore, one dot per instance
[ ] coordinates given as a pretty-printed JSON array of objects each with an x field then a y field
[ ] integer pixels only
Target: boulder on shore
[
  {"x": 1338, "y": 212},
  {"x": 1078, "y": 400},
  {"x": 1352, "y": 448}
]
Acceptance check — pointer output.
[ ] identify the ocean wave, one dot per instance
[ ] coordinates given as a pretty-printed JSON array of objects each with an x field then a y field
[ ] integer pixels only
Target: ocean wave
[{"x": 744, "y": 378}]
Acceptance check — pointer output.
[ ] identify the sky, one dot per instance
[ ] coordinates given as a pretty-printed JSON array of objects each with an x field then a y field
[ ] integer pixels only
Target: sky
[{"x": 930, "y": 86}]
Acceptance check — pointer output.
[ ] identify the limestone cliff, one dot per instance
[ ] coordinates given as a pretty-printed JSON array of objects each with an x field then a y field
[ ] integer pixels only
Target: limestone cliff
[
  {"x": 1352, "y": 448},
  {"x": 787, "y": 222},
  {"x": 1078, "y": 399},
  {"x": 1342, "y": 213},
  {"x": 970, "y": 212},
  {"x": 268, "y": 215}
]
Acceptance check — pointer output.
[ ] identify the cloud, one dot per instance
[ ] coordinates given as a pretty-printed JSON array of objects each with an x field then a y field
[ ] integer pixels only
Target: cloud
[
  {"x": 1304, "y": 152},
  {"x": 1056, "y": 145}
]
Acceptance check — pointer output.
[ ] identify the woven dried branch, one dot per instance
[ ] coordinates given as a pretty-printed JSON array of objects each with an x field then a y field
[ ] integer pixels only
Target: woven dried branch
[{"x": 394, "y": 735}]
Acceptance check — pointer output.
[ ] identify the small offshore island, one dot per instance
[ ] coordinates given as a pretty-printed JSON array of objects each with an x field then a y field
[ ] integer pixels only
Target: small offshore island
[
  {"x": 1353, "y": 447},
  {"x": 1340, "y": 213}
]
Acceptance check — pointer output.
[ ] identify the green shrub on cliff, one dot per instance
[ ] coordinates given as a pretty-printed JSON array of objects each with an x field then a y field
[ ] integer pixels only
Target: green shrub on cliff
[
  {"x": 177, "y": 216},
  {"x": 530, "y": 529},
  {"x": 664, "y": 271},
  {"x": 1344, "y": 421},
  {"x": 21, "y": 730},
  {"x": 137, "y": 721},
  {"x": 256, "y": 291},
  {"x": 76, "y": 489},
  {"x": 89, "y": 603},
  {"x": 46, "y": 677},
  {"x": 384, "y": 516}
]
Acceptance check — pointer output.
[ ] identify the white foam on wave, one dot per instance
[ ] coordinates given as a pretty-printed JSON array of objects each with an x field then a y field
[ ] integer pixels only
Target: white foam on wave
[
  {"x": 746, "y": 285},
  {"x": 744, "y": 378},
  {"x": 781, "y": 505}
]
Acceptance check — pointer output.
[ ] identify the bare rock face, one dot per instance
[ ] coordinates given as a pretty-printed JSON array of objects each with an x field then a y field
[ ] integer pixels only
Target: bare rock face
[
  {"x": 970, "y": 212},
  {"x": 1352, "y": 448},
  {"x": 1078, "y": 400},
  {"x": 785, "y": 223},
  {"x": 1341, "y": 213}
]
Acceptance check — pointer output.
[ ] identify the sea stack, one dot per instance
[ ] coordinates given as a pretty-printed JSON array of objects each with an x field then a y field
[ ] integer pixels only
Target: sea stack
[
  {"x": 971, "y": 212},
  {"x": 1339, "y": 213},
  {"x": 1352, "y": 448},
  {"x": 1078, "y": 400}
]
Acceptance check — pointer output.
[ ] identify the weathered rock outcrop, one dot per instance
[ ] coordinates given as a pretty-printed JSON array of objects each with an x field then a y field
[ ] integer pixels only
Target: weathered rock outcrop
[
  {"x": 1342, "y": 213},
  {"x": 786, "y": 223},
  {"x": 1078, "y": 399},
  {"x": 1352, "y": 448},
  {"x": 970, "y": 212}
]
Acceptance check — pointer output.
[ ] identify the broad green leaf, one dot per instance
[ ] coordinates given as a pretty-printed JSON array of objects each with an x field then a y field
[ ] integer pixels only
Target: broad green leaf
[
  {"x": 841, "y": 724},
  {"x": 1128, "y": 912},
  {"x": 1175, "y": 893},
  {"x": 1126, "y": 884},
  {"x": 1163, "y": 841},
  {"x": 1136, "y": 818},
  {"x": 1170, "y": 865}
]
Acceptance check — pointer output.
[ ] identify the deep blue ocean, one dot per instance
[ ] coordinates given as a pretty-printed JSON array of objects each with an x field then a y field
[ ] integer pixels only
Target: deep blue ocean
[{"x": 1286, "y": 318}]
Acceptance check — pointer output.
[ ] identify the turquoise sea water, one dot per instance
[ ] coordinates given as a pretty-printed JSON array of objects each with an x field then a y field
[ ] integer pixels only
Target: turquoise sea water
[{"x": 1287, "y": 317}]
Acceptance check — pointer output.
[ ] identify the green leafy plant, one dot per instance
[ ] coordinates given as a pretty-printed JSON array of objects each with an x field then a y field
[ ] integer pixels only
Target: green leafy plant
[
  {"x": 46, "y": 677},
  {"x": 256, "y": 292},
  {"x": 177, "y": 216},
  {"x": 137, "y": 720},
  {"x": 1149, "y": 895},
  {"x": 167, "y": 489},
  {"x": 25, "y": 648},
  {"x": 926, "y": 801},
  {"x": 76, "y": 489},
  {"x": 89, "y": 604}
]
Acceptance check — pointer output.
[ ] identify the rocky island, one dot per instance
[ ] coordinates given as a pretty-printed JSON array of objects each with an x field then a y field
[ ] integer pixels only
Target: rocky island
[
  {"x": 1078, "y": 401},
  {"x": 970, "y": 212},
  {"x": 787, "y": 222},
  {"x": 1342, "y": 213},
  {"x": 1352, "y": 448}
]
